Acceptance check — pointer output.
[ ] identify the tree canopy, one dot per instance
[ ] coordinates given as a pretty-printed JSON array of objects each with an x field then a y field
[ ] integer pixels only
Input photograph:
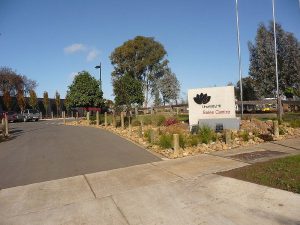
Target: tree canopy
[
  {"x": 84, "y": 91},
  {"x": 143, "y": 58},
  {"x": 262, "y": 61},
  {"x": 169, "y": 87},
  {"x": 128, "y": 91},
  {"x": 249, "y": 89},
  {"x": 12, "y": 82}
]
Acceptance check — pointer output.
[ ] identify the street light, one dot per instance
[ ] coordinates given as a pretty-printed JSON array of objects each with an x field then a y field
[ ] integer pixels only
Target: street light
[
  {"x": 239, "y": 55},
  {"x": 99, "y": 67},
  {"x": 276, "y": 64}
]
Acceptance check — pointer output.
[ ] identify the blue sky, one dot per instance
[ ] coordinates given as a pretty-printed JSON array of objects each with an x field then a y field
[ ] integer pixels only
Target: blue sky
[{"x": 50, "y": 40}]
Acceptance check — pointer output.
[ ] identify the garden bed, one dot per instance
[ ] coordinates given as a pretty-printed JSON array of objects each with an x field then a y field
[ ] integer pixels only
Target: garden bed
[{"x": 155, "y": 132}]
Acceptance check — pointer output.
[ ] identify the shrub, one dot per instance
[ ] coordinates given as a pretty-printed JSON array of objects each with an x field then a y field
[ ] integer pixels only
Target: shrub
[
  {"x": 282, "y": 131},
  {"x": 206, "y": 134},
  {"x": 193, "y": 140},
  {"x": 165, "y": 141},
  {"x": 158, "y": 120},
  {"x": 135, "y": 122},
  {"x": 195, "y": 129},
  {"x": 245, "y": 135},
  {"x": 146, "y": 119},
  {"x": 266, "y": 137},
  {"x": 170, "y": 121},
  {"x": 93, "y": 118},
  {"x": 295, "y": 123},
  {"x": 256, "y": 132},
  {"x": 178, "y": 128},
  {"x": 182, "y": 141},
  {"x": 147, "y": 135}
]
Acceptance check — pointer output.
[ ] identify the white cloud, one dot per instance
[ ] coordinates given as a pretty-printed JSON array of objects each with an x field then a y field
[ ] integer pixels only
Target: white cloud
[
  {"x": 93, "y": 54},
  {"x": 75, "y": 48}
]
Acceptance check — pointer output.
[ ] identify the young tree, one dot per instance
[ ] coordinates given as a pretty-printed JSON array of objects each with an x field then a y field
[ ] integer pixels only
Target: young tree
[
  {"x": 7, "y": 100},
  {"x": 84, "y": 91},
  {"x": 46, "y": 102},
  {"x": 262, "y": 61},
  {"x": 57, "y": 103},
  {"x": 21, "y": 100},
  {"x": 33, "y": 99},
  {"x": 128, "y": 91},
  {"x": 169, "y": 87},
  {"x": 143, "y": 58}
]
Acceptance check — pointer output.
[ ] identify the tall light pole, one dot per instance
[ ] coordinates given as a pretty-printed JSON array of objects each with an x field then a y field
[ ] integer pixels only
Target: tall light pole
[
  {"x": 239, "y": 55},
  {"x": 276, "y": 63},
  {"x": 99, "y": 67}
]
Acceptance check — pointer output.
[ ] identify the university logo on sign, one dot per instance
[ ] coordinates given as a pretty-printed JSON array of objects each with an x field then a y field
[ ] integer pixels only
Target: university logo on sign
[{"x": 202, "y": 99}]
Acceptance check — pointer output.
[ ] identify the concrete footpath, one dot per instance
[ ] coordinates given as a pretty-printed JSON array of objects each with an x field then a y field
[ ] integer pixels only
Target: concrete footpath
[{"x": 182, "y": 191}]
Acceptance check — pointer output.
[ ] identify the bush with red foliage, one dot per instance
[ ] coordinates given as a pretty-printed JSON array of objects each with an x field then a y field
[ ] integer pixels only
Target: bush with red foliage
[{"x": 170, "y": 121}]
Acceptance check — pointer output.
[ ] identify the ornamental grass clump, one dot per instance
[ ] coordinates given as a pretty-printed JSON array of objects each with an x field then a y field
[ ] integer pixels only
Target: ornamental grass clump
[
  {"x": 165, "y": 141},
  {"x": 182, "y": 141},
  {"x": 206, "y": 134},
  {"x": 147, "y": 135},
  {"x": 245, "y": 135},
  {"x": 192, "y": 140},
  {"x": 158, "y": 120}
]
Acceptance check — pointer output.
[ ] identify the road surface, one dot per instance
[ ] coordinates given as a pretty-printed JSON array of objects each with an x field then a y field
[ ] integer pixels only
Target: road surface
[{"x": 48, "y": 150}]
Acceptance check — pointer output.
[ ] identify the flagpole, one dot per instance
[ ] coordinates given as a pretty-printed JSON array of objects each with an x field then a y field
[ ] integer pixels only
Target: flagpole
[
  {"x": 239, "y": 56},
  {"x": 276, "y": 63}
]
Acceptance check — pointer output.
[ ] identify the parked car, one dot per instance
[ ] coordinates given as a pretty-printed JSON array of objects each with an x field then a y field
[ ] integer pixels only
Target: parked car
[
  {"x": 2, "y": 115},
  {"x": 12, "y": 116},
  {"x": 31, "y": 115}
]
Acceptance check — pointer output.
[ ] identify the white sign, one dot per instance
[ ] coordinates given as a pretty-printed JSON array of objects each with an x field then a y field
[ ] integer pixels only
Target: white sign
[{"x": 211, "y": 103}]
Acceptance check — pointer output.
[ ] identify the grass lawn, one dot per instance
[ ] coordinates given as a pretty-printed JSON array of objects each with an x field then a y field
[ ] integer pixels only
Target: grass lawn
[{"x": 283, "y": 173}]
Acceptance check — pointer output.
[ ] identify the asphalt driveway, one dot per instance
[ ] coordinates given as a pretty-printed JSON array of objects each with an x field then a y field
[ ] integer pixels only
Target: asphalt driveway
[{"x": 47, "y": 150}]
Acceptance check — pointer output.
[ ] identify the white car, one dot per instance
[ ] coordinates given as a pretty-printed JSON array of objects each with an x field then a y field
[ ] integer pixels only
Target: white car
[{"x": 31, "y": 115}]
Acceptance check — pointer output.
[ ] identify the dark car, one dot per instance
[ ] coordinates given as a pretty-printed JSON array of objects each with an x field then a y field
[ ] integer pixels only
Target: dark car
[
  {"x": 2, "y": 115},
  {"x": 12, "y": 116}
]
